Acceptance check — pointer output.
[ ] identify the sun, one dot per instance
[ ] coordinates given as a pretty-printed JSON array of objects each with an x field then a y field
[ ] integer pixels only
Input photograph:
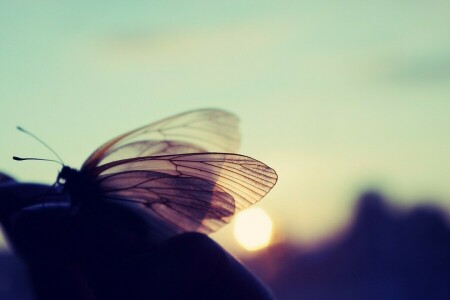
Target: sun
[{"x": 253, "y": 229}]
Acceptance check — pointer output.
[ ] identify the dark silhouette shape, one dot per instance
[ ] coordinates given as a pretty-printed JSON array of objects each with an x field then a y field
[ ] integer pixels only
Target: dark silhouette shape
[
  {"x": 110, "y": 254},
  {"x": 386, "y": 253},
  {"x": 14, "y": 283}
]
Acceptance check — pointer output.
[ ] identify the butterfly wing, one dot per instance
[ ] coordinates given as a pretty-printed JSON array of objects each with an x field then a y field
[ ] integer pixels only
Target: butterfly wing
[
  {"x": 188, "y": 192},
  {"x": 205, "y": 130}
]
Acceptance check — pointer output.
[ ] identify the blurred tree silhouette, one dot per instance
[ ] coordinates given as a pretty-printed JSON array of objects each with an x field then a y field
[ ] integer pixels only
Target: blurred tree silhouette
[{"x": 387, "y": 253}]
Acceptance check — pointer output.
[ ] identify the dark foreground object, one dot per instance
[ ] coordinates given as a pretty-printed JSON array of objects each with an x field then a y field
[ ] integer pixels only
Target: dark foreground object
[{"x": 72, "y": 255}]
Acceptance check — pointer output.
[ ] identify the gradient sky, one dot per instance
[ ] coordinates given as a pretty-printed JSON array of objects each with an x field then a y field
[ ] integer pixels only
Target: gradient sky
[{"x": 337, "y": 96}]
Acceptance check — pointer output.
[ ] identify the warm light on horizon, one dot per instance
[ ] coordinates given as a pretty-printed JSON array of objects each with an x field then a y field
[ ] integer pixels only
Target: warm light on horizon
[{"x": 253, "y": 229}]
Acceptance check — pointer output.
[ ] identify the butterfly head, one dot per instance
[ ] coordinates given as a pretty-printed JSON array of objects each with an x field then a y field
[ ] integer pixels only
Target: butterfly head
[
  {"x": 77, "y": 184},
  {"x": 66, "y": 176}
]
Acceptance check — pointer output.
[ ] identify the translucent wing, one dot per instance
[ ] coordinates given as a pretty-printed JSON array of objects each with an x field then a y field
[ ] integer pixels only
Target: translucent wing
[
  {"x": 188, "y": 192},
  {"x": 206, "y": 130}
]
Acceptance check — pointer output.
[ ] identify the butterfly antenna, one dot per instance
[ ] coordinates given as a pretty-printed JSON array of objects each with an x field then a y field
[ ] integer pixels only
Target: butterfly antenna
[
  {"x": 60, "y": 161},
  {"x": 32, "y": 158}
]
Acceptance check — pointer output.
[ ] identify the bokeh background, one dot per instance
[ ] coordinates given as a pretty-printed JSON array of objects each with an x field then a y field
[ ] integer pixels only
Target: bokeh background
[{"x": 339, "y": 97}]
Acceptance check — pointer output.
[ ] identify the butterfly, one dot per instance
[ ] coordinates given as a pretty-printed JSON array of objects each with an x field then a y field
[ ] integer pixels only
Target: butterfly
[{"x": 182, "y": 172}]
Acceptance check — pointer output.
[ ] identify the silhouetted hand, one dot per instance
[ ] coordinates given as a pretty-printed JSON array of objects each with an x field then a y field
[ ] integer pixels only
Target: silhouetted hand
[{"x": 112, "y": 255}]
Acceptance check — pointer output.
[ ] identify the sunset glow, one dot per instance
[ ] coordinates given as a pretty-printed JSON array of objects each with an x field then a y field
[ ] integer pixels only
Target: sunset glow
[{"x": 253, "y": 229}]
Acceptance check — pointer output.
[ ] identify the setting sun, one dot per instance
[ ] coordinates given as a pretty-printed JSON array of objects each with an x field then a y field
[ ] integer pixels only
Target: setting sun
[{"x": 253, "y": 229}]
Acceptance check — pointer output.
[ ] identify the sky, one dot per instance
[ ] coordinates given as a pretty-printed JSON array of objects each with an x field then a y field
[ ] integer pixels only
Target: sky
[{"x": 336, "y": 96}]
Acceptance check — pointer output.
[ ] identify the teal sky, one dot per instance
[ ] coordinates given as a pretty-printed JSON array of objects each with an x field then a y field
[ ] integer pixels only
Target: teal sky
[{"x": 337, "y": 96}]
